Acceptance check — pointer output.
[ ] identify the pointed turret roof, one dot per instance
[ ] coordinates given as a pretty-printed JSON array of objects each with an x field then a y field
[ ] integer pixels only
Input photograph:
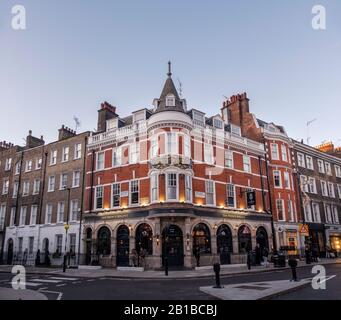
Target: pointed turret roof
[{"x": 169, "y": 89}]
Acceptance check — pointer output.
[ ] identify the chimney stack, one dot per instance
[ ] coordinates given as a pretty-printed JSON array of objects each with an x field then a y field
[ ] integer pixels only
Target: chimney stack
[
  {"x": 65, "y": 132},
  {"x": 32, "y": 142},
  {"x": 106, "y": 112}
]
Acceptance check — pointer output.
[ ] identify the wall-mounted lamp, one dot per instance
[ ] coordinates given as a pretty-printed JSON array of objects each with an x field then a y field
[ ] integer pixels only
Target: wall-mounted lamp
[{"x": 157, "y": 239}]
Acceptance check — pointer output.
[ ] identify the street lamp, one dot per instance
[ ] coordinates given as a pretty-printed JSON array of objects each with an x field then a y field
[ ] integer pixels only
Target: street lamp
[{"x": 66, "y": 226}]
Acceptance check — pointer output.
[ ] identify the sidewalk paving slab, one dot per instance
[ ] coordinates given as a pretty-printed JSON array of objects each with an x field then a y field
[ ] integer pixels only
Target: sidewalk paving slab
[
  {"x": 255, "y": 290},
  {"x": 11, "y": 294}
]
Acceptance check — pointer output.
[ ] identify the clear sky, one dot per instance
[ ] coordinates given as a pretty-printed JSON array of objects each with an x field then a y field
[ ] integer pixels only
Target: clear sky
[{"x": 76, "y": 54}]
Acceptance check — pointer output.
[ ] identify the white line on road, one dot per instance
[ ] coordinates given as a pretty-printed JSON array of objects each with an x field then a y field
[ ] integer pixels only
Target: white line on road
[
  {"x": 46, "y": 280},
  {"x": 90, "y": 280},
  {"x": 60, "y": 294},
  {"x": 29, "y": 284},
  {"x": 61, "y": 285},
  {"x": 61, "y": 278}
]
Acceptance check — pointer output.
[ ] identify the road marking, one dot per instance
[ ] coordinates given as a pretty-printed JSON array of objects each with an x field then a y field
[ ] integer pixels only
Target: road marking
[
  {"x": 60, "y": 294},
  {"x": 327, "y": 278},
  {"x": 91, "y": 280},
  {"x": 61, "y": 285},
  {"x": 61, "y": 278},
  {"x": 29, "y": 284},
  {"x": 46, "y": 280},
  {"x": 76, "y": 282}
]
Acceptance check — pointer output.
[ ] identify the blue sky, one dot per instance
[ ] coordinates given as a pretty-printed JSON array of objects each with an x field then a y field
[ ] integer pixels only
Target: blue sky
[{"x": 76, "y": 54}]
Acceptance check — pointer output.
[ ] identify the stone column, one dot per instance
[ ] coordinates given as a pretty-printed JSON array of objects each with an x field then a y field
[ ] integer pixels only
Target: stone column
[
  {"x": 113, "y": 250},
  {"x": 188, "y": 244},
  {"x": 157, "y": 245}
]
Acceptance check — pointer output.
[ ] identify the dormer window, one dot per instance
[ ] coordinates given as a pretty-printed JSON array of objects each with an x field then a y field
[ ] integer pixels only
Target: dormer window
[
  {"x": 170, "y": 100},
  {"x": 235, "y": 130},
  {"x": 217, "y": 123}
]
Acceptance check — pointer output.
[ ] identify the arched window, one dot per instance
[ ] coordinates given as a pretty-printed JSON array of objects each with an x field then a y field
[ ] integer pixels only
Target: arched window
[
  {"x": 244, "y": 239},
  {"x": 224, "y": 239},
  {"x": 262, "y": 238},
  {"x": 202, "y": 238},
  {"x": 144, "y": 238},
  {"x": 104, "y": 241}
]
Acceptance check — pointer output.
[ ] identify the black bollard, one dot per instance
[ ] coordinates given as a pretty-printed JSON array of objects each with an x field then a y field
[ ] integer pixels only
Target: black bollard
[
  {"x": 166, "y": 266},
  {"x": 216, "y": 268},
  {"x": 64, "y": 263}
]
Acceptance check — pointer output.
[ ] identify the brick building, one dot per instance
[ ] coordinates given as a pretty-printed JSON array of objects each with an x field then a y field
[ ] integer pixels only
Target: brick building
[
  {"x": 167, "y": 180},
  {"x": 45, "y": 180},
  {"x": 320, "y": 184}
]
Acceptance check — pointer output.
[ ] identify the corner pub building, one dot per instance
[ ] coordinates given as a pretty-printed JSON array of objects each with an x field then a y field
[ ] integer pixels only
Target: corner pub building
[{"x": 166, "y": 180}]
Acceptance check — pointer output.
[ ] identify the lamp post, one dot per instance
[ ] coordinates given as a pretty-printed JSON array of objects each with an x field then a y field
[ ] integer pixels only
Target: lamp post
[{"x": 66, "y": 227}]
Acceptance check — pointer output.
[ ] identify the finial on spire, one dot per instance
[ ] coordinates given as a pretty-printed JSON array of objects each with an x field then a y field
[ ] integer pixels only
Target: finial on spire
[{"x": 169, "y": 74}]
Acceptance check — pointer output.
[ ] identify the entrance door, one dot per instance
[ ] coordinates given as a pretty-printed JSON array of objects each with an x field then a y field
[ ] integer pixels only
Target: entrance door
[
  {"x": 224, "y": 244},
  {"x": 172, "y": 246},
  {"x": 122, "y": 257},
  {"x": 10, "y": 251}
]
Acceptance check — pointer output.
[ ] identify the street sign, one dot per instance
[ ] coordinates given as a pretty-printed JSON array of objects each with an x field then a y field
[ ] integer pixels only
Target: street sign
[
  {"x": 251, "y": 198},
  {"x": 304, "y": 229}
]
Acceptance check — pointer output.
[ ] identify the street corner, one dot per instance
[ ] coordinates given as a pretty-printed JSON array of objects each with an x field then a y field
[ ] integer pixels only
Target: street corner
[{"x": 254, "y": 290}]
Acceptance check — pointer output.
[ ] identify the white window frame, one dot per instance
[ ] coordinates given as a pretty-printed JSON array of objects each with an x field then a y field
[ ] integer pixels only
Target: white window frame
[
  {"x": 274, "y": 151},
  {"x": 324, "y": 188},
  {"x": 77, "y": 149},
  {"x": 331, "y": 190},
  {"x": 154, "y": 150},
  {"x": 23, "y": 213},
  {"x": 53, "y": 157},
  {"x": 131, "y": 190},
  {"x": 187, "y": 146},
  {"x": 49, "y": 184},
  {"x": 8, "y": 164},
  {"x": 320, "y": 166},
  {"x": 210, "y": 190},
  {"x": 74, "y": 209},
  {"x": 316, "y": 214},
  {"x": 281, "y": 201},
  {"x": 188, "y": 188},
  {"x": 284, "y": 153},
  {"x": 172, "y": 146},
  {"x": 335, "y": 214},
  {"x": 312, "y": 185},
  {"x": 99, "y": 193},
  {"x": 300, "y": 160},
  {"x": 26, "y": 188},
  {"x": 308, "y": 215},
  {"x": 116, "y": 157},
  {"x": 291, "y": 213},
  {"x": 76, "y": 181},
  {"x": 65, "y": 153},
  {"x": 286, "y": 180},
  {"x": 208, "y": 153},
  {"x": 5, "y": 186},
  {"x": 154, "y": 187},
  {"x": 39, "y": 162},
  {"x": 33, "y": 215},
  {"x": 117, "y": 188},
  {"x": 170, "y": 100},
  {"x": 100, "y": 165},
  {"x": 337, "y": 171},
  {"x": 309, "y": 162},
  {"x": 231, "y": 193},
  {"x": 12, "y": 216},
  {"x": 247, "y": 163},
  {"x": 134, "y": 150},
  {"x": 60, "y": 212},
  {"x": 168, "y": 186},
  {"x": 328, "y": 168},
  {"x": 48, "y": 213},
  {"x": 17, "y": 167},
  {"x": 28, "y": 165},
  {"x": 277, "y": 173},
  {"x": 36, "y": 186},
  {"x": 63, "y": 186},
  {"x": 229, "y": 159},
  {"x": 328, "y": 213},
  {"x": 339, "y": 190},
  {"x": 3, "y": 208}
]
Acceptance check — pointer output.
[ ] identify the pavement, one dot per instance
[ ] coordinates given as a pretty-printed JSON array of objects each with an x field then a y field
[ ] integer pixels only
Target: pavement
[
  {"x": 11, "y": 294},
  {"x": 203, "y": 272},
  {"x": 255, "y": 290}
]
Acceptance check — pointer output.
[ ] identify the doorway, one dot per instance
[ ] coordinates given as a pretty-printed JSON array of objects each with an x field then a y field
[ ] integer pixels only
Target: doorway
[
  {"x": 172, "y": 246},
  {"x": 122, "y": 257},
  {"x": 10, "y": 251}
]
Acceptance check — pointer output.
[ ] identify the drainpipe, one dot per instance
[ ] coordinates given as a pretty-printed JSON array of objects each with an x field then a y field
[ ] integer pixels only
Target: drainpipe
[
  {"x": 42, "y": 190},
  {"x": 270, "y": 204},
  {"x": 82, "y": 200}
]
